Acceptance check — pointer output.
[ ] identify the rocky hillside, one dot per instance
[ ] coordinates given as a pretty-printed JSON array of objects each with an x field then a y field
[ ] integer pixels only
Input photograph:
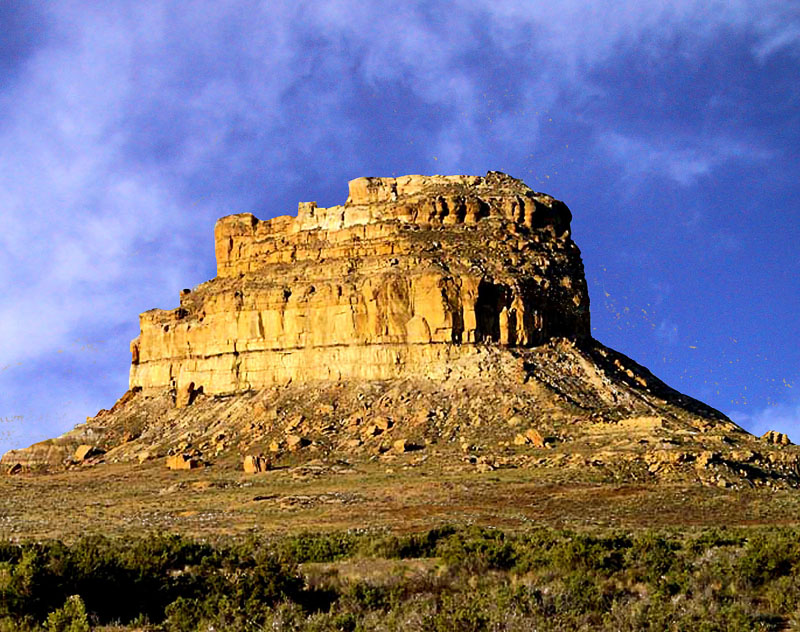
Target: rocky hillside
[{"x": 428, "y": 318}]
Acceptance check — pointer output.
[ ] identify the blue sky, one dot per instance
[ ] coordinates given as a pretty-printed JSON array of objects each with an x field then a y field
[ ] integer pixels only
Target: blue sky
[{"x": 670, "y": 128}]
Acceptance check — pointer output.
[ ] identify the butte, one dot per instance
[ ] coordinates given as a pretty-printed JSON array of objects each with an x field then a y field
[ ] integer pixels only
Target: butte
[{"x": 438, "y": 319}]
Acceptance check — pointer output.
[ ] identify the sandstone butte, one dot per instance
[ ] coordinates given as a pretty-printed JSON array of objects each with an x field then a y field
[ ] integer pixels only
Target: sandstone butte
[{"x": 428, "y": 317}]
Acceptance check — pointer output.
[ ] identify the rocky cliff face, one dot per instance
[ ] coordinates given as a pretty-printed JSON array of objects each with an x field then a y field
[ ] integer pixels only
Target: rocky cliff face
[
  {"x": 407, "y": 275},
  {"x": 429, "y": 315}
]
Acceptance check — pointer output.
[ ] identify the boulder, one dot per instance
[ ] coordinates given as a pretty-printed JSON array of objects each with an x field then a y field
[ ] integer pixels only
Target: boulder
[
  {"x": 530, "y": 437},
  {"x": 295, "y": 442},
  {"x": 85, "y": 452},
  {"x": 706, "y": 458},
  {"x": 186, "y": 395},
  {"x": 255, "y": 463},
  {"x": 775, "y": 438},
  {"x": 182, "y": 462}
]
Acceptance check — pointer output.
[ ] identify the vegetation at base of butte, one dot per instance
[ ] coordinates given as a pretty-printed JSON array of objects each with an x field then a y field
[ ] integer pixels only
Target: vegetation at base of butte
[{"x": 444, "y": 579}]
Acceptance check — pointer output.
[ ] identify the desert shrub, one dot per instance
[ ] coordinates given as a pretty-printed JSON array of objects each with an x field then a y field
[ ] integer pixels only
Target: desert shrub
[
  {"x": 586, "y": 552},
  {"x": 17, "y": 624},
  {"x": 466, "y": 612},
  {"x": 655, "y": 555},
  {"x": 477, "y": 550},
  {"x": 365, "y": 596},
  {"x": 29, "y": 587},
  {"x": 767, "y": 557},
  {"x": 714, "y": 538},
  {"x": 535, "y": 550},
  {"x": 543, "y": 579},
  {"x": 71, "y": 617},
  {"x": 581, "y": 593},
  {"x": 783, "y": 594},
  {"x": 9, "y": 552},
  {"x": 408, "y": 546},
  {"x": 318, "y": 547},
  {"x": 123, "y": 580},
  {"x": 229, "y": 601}
]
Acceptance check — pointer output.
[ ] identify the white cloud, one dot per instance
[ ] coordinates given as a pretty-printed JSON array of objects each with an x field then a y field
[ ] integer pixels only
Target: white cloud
[
  {"x": 682, "y": 162},
  {"x": 585, "y": 33}
]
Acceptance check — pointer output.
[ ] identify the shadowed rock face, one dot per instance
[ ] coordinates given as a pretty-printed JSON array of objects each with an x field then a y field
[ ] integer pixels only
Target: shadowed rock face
[{"x": 407, "y": 275}]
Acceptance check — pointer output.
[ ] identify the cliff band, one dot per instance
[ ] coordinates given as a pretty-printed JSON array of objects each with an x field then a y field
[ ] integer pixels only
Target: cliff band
[{"x": 408, "y": 274}]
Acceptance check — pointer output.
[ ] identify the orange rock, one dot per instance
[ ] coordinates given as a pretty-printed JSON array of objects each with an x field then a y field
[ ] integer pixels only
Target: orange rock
[
  {"x": 530, "y": 437},
  {"x": 186, "y": 395},
  {"x": 295, "y": 442},
  {"x": 533, "y": 436},
  {"x": 401, "y": 445},
  {"x": 182, "y": 462},
  {"x": 776, "y": 438},
  {"x": 86, "y": 451},
  {"x": 255, "y": 463}
]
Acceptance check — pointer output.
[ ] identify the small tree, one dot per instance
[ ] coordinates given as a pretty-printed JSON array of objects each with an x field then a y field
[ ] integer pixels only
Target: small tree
[{"x": 71, "y": 617}]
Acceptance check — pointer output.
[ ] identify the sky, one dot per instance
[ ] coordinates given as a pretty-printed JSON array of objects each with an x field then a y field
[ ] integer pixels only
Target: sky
[{"x": 671, "y": 128}]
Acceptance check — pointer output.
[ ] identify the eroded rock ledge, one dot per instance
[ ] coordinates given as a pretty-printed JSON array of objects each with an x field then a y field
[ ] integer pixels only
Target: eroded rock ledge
[{"x": 409, "y": 274}]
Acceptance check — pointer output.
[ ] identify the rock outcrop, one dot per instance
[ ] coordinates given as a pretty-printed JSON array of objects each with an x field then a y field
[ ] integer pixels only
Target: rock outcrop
[
  {"x": 407, "y": 275},
  {"x": 427, "y": 317}
]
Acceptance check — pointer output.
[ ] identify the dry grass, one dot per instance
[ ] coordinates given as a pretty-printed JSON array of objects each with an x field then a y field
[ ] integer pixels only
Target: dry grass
[{"x": 133, "y": 500}]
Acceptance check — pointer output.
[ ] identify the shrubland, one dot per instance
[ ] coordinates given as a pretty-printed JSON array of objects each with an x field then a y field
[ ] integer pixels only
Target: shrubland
[{"x": 447, "y": 578}]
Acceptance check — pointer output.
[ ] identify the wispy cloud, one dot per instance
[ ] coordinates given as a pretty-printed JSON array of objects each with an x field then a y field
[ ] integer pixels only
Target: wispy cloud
[
  {"x": 683, "y": 162},
  {"x": 667, "y": 332}
]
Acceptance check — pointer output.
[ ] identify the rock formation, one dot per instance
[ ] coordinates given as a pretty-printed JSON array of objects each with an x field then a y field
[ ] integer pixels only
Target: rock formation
[
  {"x": 427, "y": 316},
  {"x": 407, "y": 275}
]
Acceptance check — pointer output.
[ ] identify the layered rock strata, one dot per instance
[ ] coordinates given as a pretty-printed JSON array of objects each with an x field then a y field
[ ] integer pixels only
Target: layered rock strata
[{"x": 409, "y": 274}]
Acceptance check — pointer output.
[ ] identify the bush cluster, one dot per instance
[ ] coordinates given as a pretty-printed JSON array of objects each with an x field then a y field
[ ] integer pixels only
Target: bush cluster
[{"x": 475, "y": 579}]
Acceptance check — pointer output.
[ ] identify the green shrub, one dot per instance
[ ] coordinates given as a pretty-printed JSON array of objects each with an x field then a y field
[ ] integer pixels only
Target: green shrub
[
  {"x": 586, "y": 552},
  {"x": 71, "y": 617},
  {"x": 654, "y": 555},
  {"x": 318, "y": 547},
  {"x": 365, "y": 596},
  {"x": 464, "y": 612},
  {"x": 544, "y": 579},
  {"x": 768, "y": 557},
  {"x": 714, "y": 538},
  {"x": 783, "y": 594},
  {"x": 416, "y": 545},
  {"x": 17, "y": 624},
  {"x": 581, "y": 594},
  {"x": 477, "y": 550}
]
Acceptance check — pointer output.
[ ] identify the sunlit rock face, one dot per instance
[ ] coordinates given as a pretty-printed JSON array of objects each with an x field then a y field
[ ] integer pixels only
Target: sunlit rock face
[{"x": 408, "y": 275}]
